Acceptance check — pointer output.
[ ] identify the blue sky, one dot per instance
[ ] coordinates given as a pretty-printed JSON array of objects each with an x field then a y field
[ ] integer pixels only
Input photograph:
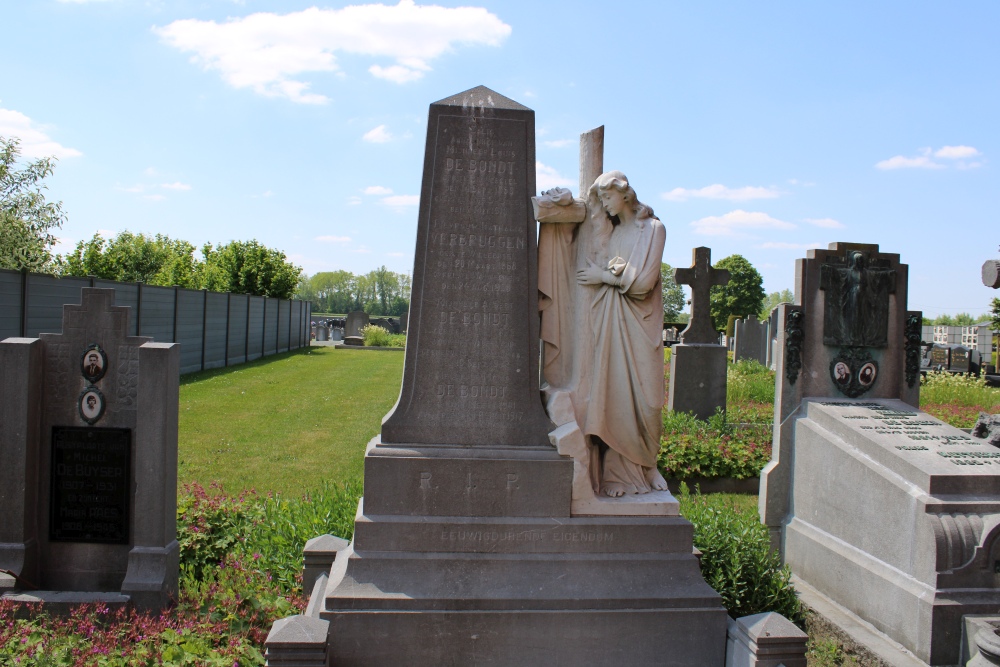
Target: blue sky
[{"x": 754, "y": 128}]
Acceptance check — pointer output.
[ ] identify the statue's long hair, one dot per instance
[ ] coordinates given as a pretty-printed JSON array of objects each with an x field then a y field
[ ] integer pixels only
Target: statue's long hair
[{"x": 603, "y": 223}]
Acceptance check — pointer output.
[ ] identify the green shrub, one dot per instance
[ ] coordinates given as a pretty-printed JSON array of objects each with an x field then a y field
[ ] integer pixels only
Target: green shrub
[
  {"x": 397, "y": 340},
  {"x": 748, "y": 381},
  {"x": 736, "y": 557},
  {"x": 375, "y": 336},
  {"x": 694, "y": 448},
  {"x": 266, "y": 531}
]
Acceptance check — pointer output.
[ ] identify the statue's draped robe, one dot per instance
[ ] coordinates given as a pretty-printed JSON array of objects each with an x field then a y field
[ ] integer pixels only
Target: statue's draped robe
[{"x": 604, "y": 343}]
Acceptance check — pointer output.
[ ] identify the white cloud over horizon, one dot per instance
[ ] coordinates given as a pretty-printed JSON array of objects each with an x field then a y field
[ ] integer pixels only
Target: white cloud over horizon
[
  {"x": 826, "y": 223},
  {"x": 547, "y": 177},
  {"x": 176, "y": 186},
  {"x": 35, "y": 141},
  {"x": 719, "y": 191},
  {"x": 377, "y": 190},
  {"x": 269, "y": 52},
  {"x": 377, "y": 135},
  {"x": 783, "y": 245},
  {"x": 737, "y": 223},
  {"x": 397, "y": 201},
  {"x": 959, "y": 156}
]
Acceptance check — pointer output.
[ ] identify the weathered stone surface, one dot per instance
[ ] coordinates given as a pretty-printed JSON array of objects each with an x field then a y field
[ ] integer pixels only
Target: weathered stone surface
[
  {"x": 905, "y": 534},
  {"x": 82, "y": 401},
  {"x": 471, "y": 370},
  {"x": 356, "y": 321},
  {"x": 751, "y": 340},
  {"x": 698, "y": 379},
  {"x": 465, "y": 481},
  {"x": 317, "y": 557},
  {"x": 765, "y": 640},
  {"x": 466, "y": 549}
]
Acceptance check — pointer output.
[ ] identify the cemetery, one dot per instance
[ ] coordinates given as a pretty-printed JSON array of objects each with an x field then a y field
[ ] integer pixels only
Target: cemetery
[{"x": 536, "y": 478}]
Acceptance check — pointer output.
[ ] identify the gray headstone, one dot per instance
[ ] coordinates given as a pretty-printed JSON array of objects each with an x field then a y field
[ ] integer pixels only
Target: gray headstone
[
  {"x": 465, "y": 545},
  {"x": 92, "y": 503},
  {"x": 471, "y": 370},
  {"x": 751, "y": 340},
  {"x": 356, "y": 321},
  {"x": 884, "y": 509},
  {"x": 698, "y": 364}
]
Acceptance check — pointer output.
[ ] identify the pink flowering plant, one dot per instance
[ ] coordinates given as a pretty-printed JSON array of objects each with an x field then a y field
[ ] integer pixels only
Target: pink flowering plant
[{"x": 241, "y": 559}]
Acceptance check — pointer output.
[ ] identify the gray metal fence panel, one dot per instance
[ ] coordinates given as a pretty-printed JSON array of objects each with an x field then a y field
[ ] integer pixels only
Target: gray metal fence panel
[
  {"x": 10, "y": 303},
  {"x": 156, "y": 313},
  {"x": 270, "y": 326},
  {"x": 190, "y": 312},
  {"x": 216, "y": 329},
  {"x": 283, "y": 326},
  {"x": 237, "y": 329},
  {"x": 296, "y": 333},
  {"x": 45, "y": 299},
  {"x": 255, "y": 342},
  {"x": 126, "y": 294}
]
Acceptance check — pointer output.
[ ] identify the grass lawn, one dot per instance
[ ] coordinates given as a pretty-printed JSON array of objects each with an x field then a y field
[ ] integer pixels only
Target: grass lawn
[{"x": 285, "y": 423}]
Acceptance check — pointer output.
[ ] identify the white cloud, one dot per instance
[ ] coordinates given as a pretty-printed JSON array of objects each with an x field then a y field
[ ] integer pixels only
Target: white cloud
[
  {"x": 362, "y": 250},
  {"x": 377, "y": 190},
  {"x": 353, "y": 201},
  {"x": 35, "y": 143},
  {"x": 735, "y": 223},
  {"x": 959, "y": 154},
  {"x": 377, "y": 135},
  {"x": 902, "y": 162},
  {"x": 547, "y": 177},
  {"x": 267, "y": 52},
  {"x": 781, "y": 245},
  {"x": 559, "y": 143},
  {"x": 150, "y": 171},
  {"x": 131, "y": 188},
  {"x": 402, "y": 200},
  {"x": 718, "y": 191},
  {"x": 956, "y": 152},
  {"x": 827, "y": 223},
  {"x": 397, "y": 73},
  {"x": 334, "y": 239},
  {"x": 80, "y": 2},
  {"x": 176, "y": 186}
]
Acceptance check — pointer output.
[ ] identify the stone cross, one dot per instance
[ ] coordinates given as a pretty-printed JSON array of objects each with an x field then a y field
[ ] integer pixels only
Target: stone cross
[{"x": 701, "y": 277}]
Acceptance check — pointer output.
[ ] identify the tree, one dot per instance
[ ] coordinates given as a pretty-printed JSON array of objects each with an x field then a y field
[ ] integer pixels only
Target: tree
[
  {"x": 26, "y": 218},
  {"x": 673, "y": 294},
  {"x": 772, "y": 300},
  {"x": 247, "y": 267},
  {"x": 128, "y": 257},
  {"x": 743, "y": 296}
]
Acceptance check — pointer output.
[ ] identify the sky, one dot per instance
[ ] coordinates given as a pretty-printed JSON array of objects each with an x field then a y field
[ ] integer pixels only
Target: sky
[{"x": 761, "y": 129}]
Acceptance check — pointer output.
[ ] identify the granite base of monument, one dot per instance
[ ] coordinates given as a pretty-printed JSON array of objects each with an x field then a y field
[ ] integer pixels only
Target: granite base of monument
[
  {"x": 697, "y": 379},
  {"x": 896, "y": 516},
  {"x": 464, "y": 558}
]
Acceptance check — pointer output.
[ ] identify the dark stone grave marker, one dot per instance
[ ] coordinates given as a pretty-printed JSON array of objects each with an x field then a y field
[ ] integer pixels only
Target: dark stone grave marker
[{"x": 91, "y": 481}]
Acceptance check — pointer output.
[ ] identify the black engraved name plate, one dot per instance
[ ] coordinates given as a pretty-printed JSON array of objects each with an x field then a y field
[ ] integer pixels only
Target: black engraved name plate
[{"x": 91, "y": 479}]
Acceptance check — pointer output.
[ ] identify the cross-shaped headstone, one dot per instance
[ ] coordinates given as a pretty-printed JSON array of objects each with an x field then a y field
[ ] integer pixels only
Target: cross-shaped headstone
[{"x": 701, "y": 277}]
